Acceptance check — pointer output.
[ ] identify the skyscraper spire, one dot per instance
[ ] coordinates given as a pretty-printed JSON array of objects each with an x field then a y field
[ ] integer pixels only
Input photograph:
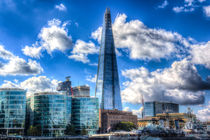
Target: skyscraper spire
[{"x": 107, "y": 84}]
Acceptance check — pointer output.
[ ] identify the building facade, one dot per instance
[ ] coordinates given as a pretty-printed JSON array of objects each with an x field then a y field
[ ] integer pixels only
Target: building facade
[
  {"x": 85, "y": 114},
  {"x": 50, "y": 112},
  {"x": 153, "y": 108},
  {"x": 81, "y": 91},
  {"x": 107, "y": 84},
  {"x": 109, "y": 118},
  {"x": 12, "y": 111}
]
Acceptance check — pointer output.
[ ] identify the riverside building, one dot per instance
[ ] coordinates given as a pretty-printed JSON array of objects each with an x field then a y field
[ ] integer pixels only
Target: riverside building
[
  {"x": 107, "y": 84},
  {"x": 50, "y": 112},
  {"x": 12, "y": 111},
  {"x": 85, "y": 110}
]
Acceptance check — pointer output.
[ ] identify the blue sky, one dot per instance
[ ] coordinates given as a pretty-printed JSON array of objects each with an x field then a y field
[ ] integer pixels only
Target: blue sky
[{"x": 162, "y": 46}]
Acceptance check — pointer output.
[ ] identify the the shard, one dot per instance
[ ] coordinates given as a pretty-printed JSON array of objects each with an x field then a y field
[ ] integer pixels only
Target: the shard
[{"x": 107, "y": 84}]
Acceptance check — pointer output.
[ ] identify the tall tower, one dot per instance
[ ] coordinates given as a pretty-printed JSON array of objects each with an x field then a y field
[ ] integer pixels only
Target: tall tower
[{"x": 107, "y": 84}]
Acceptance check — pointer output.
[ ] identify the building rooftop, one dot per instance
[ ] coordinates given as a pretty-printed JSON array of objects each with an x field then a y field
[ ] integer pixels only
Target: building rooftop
[
  {"x": 19, "y": 89},
  {"x": 48, "y": 93}
]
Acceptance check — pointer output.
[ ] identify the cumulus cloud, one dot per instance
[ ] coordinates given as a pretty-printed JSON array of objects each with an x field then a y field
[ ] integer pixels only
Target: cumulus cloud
[
  {"x": 180, "y": 83},
  {"x": 204, "y": 114},
  {"x": 164, "y": 4},
  {"x": 61, "y": 7},
  {"x": 82, "y": 49},
  {"x": 34, "y": 52},
  {"x": 39, "y": 84},
  {"x": 17, "y": 66},
  {"x": 33, "y": 84},
  {"x": 200, "y": 54},
  {"x": 135, "y": 112},
  {"x": 91, "y": 79},
  {"x": 52, "y": 37},
  {"x": 144, "y": 42},
  {"x": 206, "y": 10},
  {"x": 9, "y": 84}
]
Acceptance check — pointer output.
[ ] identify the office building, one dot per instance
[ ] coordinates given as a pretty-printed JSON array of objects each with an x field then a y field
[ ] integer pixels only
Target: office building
[
  {"x": 153, "y": 108},
  {"x": 107, "y": 84},
  {"x": 109, "y": 118},
  {"x": 50, "y": 112},
  {"x": 81, "y": 91},
  {"x": 85, "y": 114},
  {"x": 12, "y": 111}
]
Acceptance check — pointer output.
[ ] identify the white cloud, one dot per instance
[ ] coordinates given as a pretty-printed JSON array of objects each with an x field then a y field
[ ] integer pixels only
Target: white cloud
[
  {"x": 164, "y": 4},
  {"x": 206, "y": 10},
  {"x": 82, "y": 49},
  {"x": 39, "y": 84},
  {"x": 61, "y": 7},
  {"x": 138, "y": 112},
  {"x": 144, "y": 42},
  {"x": 91, "y": 79},
  {"x": 204, "y": 114},
  {"x": 183, "y": 9},
  {"x": 180, "y": 83},
  {"x": 9, "y": 84},
  {"x": 52, "y": 37},
  {"x": 34, "y": 52},
  {"x": 200, "y": 54},
  {"x": 135, "y": 112},
  {"x": 33, "y": 84},
  {"x": 17, "y": 66}
]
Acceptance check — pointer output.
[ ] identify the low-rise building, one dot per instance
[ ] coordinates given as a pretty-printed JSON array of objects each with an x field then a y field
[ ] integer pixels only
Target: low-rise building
[
  {"x": 50, "y": 112},
  {"x": 109, "y": 118},
  {"x": 85, "y": 114},
  {"x": 12, "y": 111},
  {"x": 170, "y": 120}
]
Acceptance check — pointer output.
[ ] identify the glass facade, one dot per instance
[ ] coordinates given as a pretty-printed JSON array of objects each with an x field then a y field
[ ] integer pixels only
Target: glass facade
[
  {"x": 153, "y": 108},
  {"x": 12, "y": 111},
  {"x": 51, "y": 112},
  {"x": 107, "y": 84},
  {"x": 85, "y": 114}
]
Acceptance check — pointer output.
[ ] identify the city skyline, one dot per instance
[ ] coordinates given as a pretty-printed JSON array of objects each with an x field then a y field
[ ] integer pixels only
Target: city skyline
[{"x": 162, "y": 48}]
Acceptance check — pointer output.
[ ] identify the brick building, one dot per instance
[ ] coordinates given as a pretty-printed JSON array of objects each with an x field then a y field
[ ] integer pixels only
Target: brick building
[{"x": 109, "y": 118}]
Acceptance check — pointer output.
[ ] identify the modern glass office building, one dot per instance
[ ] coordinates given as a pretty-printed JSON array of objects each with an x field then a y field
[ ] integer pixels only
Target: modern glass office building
[
  {"x": 12, "y": 111},
  {"x": 51, "y": 112},
  {"x": 85, "y": 114},
  {"x": 153, "y": 108},
  {"x": 107, "y": 84}
]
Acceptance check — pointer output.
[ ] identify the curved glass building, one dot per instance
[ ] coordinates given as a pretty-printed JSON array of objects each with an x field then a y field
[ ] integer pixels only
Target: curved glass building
[
  {"x": 107, "y": 84},
  {"x": 12, "y": 111},
  {"x": 51, "y": 112}
]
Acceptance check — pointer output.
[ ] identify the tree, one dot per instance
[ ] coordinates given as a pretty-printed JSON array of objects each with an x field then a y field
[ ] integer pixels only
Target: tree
[
  {"x": 126, "y": 126},
  {"x": 70, "y": 130},
  {"x": 34, "y": 131},
  {"x": 84, "y": 132}
]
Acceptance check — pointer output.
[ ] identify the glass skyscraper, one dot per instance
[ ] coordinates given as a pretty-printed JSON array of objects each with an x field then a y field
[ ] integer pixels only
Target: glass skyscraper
[
  {"x": 12, "y": 111},
  {"x": 50, "y": 111},
  {"x": 107, "y": 84}
]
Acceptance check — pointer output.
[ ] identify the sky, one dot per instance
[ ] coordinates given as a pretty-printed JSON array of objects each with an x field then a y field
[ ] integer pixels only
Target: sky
[{"x": 162, "y": 48}]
